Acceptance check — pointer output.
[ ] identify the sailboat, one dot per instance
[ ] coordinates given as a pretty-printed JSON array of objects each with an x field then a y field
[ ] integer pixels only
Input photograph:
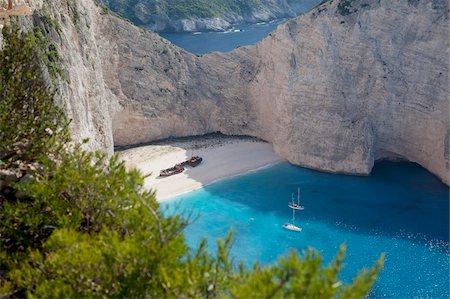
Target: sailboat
[
  {"x": 296, "y": 206},
  {"x": 291, "y": 226}
]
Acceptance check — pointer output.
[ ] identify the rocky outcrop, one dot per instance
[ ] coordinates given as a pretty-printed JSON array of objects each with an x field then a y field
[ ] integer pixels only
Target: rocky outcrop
[
  {"x": 336, "y": 89},
  {"x": 182, "y": 16}
]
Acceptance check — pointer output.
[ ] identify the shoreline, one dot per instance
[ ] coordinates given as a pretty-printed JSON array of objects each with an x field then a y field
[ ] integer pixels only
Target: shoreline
[
  {"x": 166, "y": 199},
  {"x": 223, "y": 157}
]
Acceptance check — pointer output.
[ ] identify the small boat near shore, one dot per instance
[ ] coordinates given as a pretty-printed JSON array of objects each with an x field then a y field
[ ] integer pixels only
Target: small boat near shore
[
  {"x": 172, "y": 170},
  {"x": 179, "y": 168},
  {"x": 292, "y": 226},
  {"x": 296, "y": 206},
  {"x": 194, "y": 161}
]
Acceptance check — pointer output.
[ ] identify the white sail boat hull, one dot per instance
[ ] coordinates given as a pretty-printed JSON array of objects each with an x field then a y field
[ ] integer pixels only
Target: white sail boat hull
[
  {"x": 292, "y": 227},
  {"x": 295, "y": 206}
]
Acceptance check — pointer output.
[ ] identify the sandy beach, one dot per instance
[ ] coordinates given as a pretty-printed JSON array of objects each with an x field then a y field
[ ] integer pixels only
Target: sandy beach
[{"x": 222, "y": 157}]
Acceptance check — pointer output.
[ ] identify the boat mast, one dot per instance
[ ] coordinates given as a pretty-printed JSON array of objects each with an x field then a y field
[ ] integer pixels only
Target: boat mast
[
  {"x": 298, "y": 196},
  {"x": 293, "y": 216}
]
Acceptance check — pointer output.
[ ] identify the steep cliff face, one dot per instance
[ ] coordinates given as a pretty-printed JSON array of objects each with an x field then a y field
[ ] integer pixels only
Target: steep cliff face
[
  {"x": 335, "y": 89},
  {"x": 359, "y": 81},
  {"x": 72, "y": 27},
  {"x": 349, "y": 83},
  {"x": 82, "y": 88}
]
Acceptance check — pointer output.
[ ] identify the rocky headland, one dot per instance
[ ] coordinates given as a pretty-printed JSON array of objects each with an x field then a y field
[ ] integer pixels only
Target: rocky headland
[
  {"x": 202, "y": 15},
  {"x": 335, "y": 89}
]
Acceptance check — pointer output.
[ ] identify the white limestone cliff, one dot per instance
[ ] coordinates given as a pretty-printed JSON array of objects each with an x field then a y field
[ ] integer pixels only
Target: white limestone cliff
[{"x": 336, "y": 89}]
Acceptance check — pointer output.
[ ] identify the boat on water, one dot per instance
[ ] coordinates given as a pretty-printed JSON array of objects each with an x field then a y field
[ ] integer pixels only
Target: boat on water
[
  {"x": 172, "y": 170},
  {"x": 292, "y": 226},
  {"x": 296, "y": 206}
]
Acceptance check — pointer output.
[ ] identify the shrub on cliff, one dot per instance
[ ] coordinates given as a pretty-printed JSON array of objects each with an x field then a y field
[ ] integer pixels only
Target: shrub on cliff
[
  {"x": 81, "y": 226},
  {"x": 31, "y": 125}
]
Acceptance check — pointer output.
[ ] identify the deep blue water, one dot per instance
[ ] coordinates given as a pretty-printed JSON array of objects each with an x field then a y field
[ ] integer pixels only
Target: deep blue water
[
  {"x": 204, "y": 42},
  {"x": 401, "y": 209},
  {"x": 239, "y": 35}
]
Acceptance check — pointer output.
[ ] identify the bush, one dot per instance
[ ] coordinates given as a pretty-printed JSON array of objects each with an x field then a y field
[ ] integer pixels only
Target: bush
[{"x": 31, "y": 125}]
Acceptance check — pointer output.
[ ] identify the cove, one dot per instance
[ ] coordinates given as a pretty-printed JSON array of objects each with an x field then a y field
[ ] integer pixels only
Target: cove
[
  {"x": 400, "y": 209},
  {"x": 239, "y": 35}
]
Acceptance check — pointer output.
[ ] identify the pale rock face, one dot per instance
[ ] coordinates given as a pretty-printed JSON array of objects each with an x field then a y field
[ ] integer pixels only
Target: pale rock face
[
  {"x": 209, "y": 24},
  {"x": 335, "y": 89},
  {"x": 360, "y": 87},
  {"x": 82, "y": 89}
]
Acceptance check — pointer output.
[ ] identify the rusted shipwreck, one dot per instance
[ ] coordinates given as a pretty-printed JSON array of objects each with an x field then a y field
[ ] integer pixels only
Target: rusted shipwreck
[
  {"x": 179, "y": 168},
  {"x": 194, "y": 161},
  {"x": 172, "y": 170}
]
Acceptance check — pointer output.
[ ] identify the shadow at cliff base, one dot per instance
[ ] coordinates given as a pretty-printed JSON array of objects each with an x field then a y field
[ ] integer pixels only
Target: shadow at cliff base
[
  {"x": 181, "y": 142},
  {"x": 398, "y": 199}
]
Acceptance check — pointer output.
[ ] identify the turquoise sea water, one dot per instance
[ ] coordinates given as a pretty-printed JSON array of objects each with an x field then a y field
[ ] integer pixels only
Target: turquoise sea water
[{"x": 400, "y": 209}]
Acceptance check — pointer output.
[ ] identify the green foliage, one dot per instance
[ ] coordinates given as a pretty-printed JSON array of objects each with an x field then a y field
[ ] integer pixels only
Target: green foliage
[
  {"x": 50, "y": 22},
  {"x": 74, "y": 264},
  {"x": 81, "y": 192},
  {"x": 84, "y": 226},
  {"x": 295, "y": 277},
  {"x": 30, "y": 123},
  {"x": 49, "y": 53}
]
